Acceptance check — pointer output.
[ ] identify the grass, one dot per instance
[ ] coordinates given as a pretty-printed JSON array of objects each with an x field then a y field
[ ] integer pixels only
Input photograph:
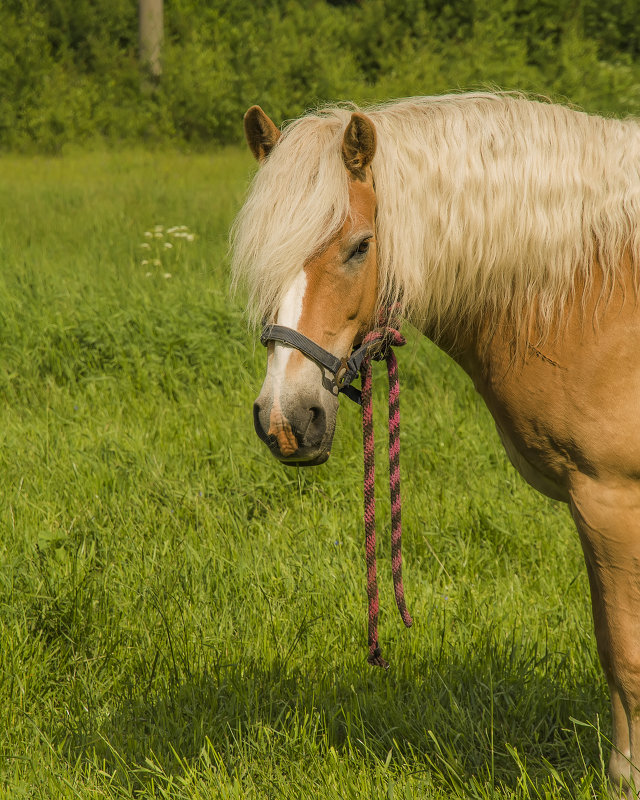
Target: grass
[{"x": 182, "y": 617}]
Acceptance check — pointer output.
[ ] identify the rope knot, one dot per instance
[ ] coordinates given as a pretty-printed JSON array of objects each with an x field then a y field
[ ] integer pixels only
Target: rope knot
[{"x": 383, "y": 337}]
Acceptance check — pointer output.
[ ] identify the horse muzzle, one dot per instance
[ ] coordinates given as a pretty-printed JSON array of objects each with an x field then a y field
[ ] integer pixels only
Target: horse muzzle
[{"x": 297, "y": 433}]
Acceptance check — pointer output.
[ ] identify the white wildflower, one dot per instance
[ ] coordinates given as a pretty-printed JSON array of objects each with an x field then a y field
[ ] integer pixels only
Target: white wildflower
[
  {"x": 148, "y": 234},
  {"x": 157, "y": 262},
  {"x": 190, "y": 237},
  {"x": 145, "y": 246},
  {"x": 158, "y": 234},
  {"x": 144, "y": 262},
  {"x": 179, "y": 232},
  {"x": 167, "y": 274},
  {"x": 168, "y": 245}
]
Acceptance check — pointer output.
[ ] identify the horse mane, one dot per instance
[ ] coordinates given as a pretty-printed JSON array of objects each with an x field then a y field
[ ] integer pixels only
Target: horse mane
[{"x": 488, "y": 204}]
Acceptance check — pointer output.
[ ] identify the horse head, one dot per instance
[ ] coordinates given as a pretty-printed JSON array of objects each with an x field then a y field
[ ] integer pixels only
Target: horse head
[{"x": 331, "y": 302}]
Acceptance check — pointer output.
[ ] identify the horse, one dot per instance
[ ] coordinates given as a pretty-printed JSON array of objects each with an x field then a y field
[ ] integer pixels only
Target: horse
[{"x": 507, "y": 230}]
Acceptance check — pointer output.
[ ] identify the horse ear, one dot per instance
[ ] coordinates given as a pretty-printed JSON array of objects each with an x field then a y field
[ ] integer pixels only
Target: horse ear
[
  {"x": 260, "y": 131},
  {"x": 358, "y": 144}
]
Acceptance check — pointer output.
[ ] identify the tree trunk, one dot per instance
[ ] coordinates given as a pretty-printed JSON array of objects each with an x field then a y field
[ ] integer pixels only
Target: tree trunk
[{"x": 150, "y": 31}]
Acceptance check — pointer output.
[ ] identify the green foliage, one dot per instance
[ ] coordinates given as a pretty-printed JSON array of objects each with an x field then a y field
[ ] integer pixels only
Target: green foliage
[
  {"x": 69, "y": 71},
  {"x": 215, "y": 72}
]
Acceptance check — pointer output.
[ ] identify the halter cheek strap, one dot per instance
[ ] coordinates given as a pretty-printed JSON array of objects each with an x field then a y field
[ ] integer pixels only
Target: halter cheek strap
[{"x": 376, "y": 345}]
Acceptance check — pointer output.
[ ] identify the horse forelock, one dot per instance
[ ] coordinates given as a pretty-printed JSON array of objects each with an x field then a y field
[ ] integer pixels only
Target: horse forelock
[
  {"x": 297, "y": 201},
  {"x": 487, "y": 204}
]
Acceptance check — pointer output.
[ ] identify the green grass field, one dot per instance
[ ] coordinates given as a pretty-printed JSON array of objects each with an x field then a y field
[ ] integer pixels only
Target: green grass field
[{"x": 181, "y": 616}]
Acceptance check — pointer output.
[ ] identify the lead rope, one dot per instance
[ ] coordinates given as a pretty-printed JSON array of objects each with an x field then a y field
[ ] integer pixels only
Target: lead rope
[{"x": 389, "y": 337}]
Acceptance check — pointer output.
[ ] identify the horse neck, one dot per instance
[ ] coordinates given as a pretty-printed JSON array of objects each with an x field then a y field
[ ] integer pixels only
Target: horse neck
[
  {"x": 476, "y": 346},
  {"x": 465, "y": 345}
]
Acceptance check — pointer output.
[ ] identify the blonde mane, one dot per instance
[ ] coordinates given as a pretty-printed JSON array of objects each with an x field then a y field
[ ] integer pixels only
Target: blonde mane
[{"x": 488, "y": 204}]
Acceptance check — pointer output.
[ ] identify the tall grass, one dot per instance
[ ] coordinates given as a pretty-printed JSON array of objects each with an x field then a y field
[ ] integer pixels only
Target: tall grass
[{"x": 182, "y": 617}]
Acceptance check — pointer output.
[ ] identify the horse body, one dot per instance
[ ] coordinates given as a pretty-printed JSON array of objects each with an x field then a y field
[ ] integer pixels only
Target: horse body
[{"x": 525, "y": 251}]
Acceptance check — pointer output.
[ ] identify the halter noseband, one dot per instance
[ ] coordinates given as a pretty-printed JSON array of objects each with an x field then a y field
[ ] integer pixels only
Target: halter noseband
[{"x": 344, "y": 371}]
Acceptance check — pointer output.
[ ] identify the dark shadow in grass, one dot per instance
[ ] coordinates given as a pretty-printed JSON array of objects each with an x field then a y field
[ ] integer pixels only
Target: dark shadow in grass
[{"x": 463, "y": 718}]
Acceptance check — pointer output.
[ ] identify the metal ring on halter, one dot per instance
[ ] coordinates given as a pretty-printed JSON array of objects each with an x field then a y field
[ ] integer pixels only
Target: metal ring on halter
[{"x": 341, "y": 374}]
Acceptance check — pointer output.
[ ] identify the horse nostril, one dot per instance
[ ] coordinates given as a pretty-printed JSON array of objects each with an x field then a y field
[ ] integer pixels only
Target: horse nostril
[
  {"x": 261, "y": 430},
  {"x": 317, "y": 424}
]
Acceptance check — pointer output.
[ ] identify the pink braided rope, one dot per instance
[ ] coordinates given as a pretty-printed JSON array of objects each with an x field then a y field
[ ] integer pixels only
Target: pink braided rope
[{"x": 389, "y": 337}]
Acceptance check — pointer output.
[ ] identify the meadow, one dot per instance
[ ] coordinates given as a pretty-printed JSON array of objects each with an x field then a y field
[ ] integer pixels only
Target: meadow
[{"x": 182, "y": 617}]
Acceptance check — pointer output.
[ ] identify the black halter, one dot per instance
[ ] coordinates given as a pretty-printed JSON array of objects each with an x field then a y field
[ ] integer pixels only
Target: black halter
[{"x": 344, "y": 371}]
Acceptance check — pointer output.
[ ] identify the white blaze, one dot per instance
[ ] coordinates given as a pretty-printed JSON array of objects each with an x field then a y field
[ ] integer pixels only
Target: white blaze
[{"x": 289, "y": 315}]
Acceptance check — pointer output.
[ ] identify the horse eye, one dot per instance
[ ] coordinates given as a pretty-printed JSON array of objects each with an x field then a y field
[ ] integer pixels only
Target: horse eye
[{"x": 361, "y": 249}]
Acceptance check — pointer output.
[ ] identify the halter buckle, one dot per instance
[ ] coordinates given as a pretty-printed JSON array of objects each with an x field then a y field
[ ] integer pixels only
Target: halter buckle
[{"x": 341, "y": 373}]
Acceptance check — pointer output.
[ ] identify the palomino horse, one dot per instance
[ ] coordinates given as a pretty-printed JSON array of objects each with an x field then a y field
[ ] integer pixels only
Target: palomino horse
[{"x": 508, "y": 230}]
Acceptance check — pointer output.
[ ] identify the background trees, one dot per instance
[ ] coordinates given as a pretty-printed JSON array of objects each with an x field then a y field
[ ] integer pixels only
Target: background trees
[{"x": 69, "y": 69}]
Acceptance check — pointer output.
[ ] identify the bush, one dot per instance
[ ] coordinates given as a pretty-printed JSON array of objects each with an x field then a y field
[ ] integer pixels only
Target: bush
[{"x": 69, "y": 70}]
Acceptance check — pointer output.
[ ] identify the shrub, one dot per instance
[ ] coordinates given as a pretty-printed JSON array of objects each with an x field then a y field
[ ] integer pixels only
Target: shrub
[{"x": 69, "y": 70}]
